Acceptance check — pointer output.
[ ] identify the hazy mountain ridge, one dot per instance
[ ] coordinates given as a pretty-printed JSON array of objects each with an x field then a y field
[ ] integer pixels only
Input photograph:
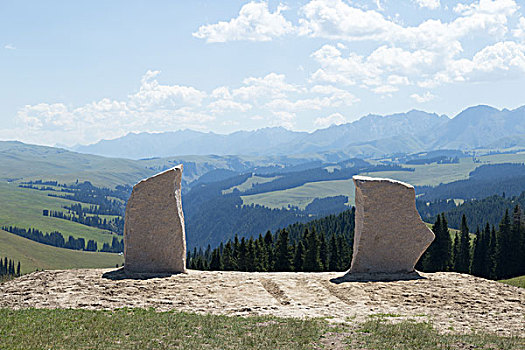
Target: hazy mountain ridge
[{"x": 371, "y": 136}]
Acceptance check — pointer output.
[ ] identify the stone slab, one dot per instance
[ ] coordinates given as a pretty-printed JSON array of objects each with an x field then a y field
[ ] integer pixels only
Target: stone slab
[
  {"x": 154, "y": 232},
  {"x": 390, "y": 236}
]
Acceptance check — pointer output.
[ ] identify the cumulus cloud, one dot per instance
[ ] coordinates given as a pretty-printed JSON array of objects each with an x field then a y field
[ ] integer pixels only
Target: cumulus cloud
[
  {"x": 427, "y": 96},
  {"x": 272, "y": 85},
  {"x": 332, "y": 119},
  {"x": 154, "y": 107},
  {"x": 9, "y": 47},
  {"x": 255, "y": 22},
  {"x": 337, "y": 20}
]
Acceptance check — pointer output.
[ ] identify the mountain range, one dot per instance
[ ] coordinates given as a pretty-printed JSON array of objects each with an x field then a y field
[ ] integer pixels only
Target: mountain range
[{"x": 370, "y": 136}]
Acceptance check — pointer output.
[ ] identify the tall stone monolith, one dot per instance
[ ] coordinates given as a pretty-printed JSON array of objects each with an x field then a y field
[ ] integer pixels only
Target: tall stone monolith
[
  {"x": 154, "y": 234},
  {"x": 390, "y": 236}
]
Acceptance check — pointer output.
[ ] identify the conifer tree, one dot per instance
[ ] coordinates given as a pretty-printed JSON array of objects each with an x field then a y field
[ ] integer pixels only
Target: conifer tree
[
  {"x": 250, "y": 256},
  {"x": 333, "y": 262},
  {"x": 298, "y": 260},
  {"x": 503, "y": 247},
  {"x": 492, "y": 253},
  {"x": 241, "y": 260},
  {"x": 283, "y": 258},
  {"x": 455, "y": 252},
  {"x": 268, "y": 245},
  {"x": 323, "y": 252},
  {"x": 444, "y": 252},
  {"x": 515, "y": 244},
  {"x": 479, "y": 254},
  {"x": 215, "y": 262},
  {"x": 345, "y": 254},
  {"x": 463, "y": 260},
  {"x": 312, "y": 260},
  {"x": 228, "y": 262}
]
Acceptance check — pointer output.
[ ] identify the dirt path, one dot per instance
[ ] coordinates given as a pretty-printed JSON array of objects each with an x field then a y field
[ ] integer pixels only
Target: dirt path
[{"x": 453, "y": 302}]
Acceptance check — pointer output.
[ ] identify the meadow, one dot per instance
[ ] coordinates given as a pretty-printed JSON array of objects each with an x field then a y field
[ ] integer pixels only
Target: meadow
[
  {"x": 137, "y": 328},
  {"x": 33, "y": 255},
  {"x": 22, "y": 207}
]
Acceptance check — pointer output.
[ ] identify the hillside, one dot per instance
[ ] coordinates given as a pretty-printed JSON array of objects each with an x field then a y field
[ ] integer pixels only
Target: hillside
[{"x": 33, "y": 255}]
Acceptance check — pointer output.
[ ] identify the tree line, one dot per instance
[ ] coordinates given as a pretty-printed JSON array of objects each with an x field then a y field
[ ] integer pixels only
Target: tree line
[
  {"x": 326, "y": 245},
  {"x": 493, "y": 253},
  {"x": 478, "y": 211},
  {"x": 313, "y": 252},
  {"x": 114, "y": 225},
  {"x": 8, "y": 267},
  {"x": 299, "y": 247},
  {"x": 56, "y": 239}
]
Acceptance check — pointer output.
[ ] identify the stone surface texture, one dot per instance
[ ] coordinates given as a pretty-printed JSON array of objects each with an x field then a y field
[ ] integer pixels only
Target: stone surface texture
[
  {"x": 154, "y": 234},
  {"x": 390, "y": 236}
]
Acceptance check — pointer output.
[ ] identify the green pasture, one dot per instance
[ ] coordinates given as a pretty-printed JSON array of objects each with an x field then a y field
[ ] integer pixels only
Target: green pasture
[
  {"x": 22, "y": 207},
  {"x": 33, "y": 255},
  {"x": 303, "y": 195},
  {"x": 251, "y": 181}
]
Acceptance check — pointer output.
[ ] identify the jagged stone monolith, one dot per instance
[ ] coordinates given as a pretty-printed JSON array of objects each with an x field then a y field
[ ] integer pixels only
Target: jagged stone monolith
[
  {"x": 154, "y": 234},
  {"x": 390, "y": 236}
]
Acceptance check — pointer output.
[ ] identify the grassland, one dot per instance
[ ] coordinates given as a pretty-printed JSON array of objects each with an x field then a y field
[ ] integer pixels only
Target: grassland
[
  {"x": 303, "y": 195},
  {"x": 431, "y": 174},
  {"x": 516, "y": 281},
  {"x": 148, "y": 329},
  {"x": 33, "y": 255},
  {"x": 22, "y": 207},
  {"x": 253, "y": 180},
  {"x": 30, "y": 162}
]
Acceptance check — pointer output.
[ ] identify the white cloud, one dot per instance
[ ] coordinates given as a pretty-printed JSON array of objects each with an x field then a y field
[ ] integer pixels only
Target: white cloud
[
  {"x": 220, "y": 106},
  {"x": 430, "y": 4},
  {"x": 9, "y": 47},
  {"x": 335, "y": 98},
  {"x": 334, "y": 19},
  {"x": 284, "y": 119},
  {"x": 332, "y": 119},
  {"x": 501, "y": 60},
  {"x": 254, "y": 23},
  {"x": 272, "y": 85},
  {"x": 384, "y": 66},
  {"x": 519, "y": 32},
  {"x": 154, "y": 107},
  {"x": 154, "y": 95},
  {"x": 427, "y": 96},
  {"x": 337, "y": 20}
]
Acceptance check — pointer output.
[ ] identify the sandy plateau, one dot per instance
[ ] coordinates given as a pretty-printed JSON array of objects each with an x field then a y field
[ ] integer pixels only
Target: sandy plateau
[{"x": 451, "y": 301}]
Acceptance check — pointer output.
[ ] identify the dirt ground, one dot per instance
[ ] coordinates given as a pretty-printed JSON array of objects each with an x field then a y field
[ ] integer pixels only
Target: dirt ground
[{"x": 451, "y": 301}]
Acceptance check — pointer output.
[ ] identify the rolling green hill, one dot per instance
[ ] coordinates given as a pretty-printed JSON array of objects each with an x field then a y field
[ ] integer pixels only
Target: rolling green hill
[
  {"x": 30, "y": 162},
  {"x": 33, "y": 255},
  {"x": 22, "y": 207}
]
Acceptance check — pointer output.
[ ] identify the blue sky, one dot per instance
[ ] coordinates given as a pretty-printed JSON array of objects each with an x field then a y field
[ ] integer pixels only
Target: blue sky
[{"x": 78, "y": 72}]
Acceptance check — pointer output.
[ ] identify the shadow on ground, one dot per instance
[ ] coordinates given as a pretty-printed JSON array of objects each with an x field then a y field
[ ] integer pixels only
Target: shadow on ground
[
  {"x": 121, "y": 274},
  {"x": 377, "y": 277}
]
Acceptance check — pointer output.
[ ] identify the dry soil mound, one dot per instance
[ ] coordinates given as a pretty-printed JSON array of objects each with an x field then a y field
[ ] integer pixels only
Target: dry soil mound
[{"x": 450, "y": 300}]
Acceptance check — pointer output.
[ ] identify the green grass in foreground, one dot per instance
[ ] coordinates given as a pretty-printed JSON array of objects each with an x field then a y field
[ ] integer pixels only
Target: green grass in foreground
[
  {"x": 381, "y": 335},
  {"x": 33, "y": 255},
  {"x": 516, "y": 281},
  {"x": 147, "y": 329}
]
